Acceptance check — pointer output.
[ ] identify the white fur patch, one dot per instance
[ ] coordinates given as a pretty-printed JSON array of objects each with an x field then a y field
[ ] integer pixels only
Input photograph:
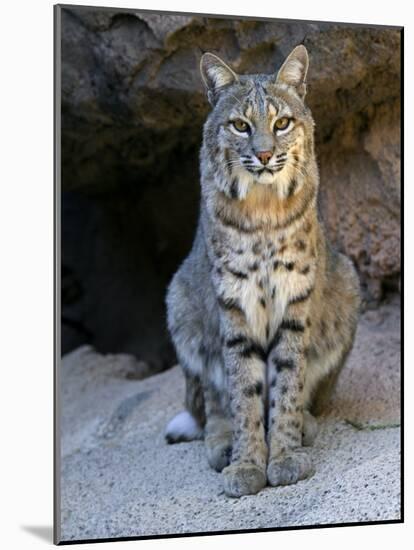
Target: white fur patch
[
  {"x": 183, "y": 427},
  {"x": 220, "y": 75},
  {"x": 271, "y": 109},
  {"x": 193, "y": 361},
  {"x": 217, "y": 377},
  {"x": 293, "y": 71}
]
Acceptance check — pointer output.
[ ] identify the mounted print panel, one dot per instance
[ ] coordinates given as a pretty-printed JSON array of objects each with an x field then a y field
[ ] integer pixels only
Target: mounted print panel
[{"x": 228, "y": 267}]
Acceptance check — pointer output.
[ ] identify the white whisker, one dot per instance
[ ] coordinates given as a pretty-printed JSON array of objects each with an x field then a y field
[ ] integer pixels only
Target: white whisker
[{"x": 299, "y": 170}]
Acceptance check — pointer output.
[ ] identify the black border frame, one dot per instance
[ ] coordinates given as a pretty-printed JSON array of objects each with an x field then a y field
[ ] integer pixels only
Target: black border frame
[{"x": 57, "y": 286}]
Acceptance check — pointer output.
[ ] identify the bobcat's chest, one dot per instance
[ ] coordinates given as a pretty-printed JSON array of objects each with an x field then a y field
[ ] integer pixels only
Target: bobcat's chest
[{"x": 266, "y": 282}]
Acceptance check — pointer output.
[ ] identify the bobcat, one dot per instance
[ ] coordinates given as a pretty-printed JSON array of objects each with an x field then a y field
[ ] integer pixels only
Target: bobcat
[{"x": 262, "y": 312}]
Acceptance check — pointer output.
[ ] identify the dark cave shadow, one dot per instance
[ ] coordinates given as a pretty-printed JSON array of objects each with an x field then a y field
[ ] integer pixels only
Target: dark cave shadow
[{"x": 44, "y": 532}]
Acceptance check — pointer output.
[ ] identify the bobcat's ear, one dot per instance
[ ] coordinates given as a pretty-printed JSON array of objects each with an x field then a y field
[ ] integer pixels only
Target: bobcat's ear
[
  {"x": 294, "y": 69},
  {"x": 216, "y": 75}
]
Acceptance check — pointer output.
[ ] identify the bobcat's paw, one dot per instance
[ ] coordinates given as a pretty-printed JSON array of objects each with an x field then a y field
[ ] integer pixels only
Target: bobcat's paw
[
  {"x": 243, "y": 479},
  {"x": 218, "y": 450},
  {"x": 289, "y": 468}
]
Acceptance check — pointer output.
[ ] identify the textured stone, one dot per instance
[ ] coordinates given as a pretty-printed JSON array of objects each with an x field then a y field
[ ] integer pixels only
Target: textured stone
[{"x": 132, "y": 113}]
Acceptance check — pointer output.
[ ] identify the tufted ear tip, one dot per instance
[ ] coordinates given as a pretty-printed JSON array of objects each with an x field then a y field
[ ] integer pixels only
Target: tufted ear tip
[
  {"x": 302, "y": 53},
  {"x": 294, "y": 70},
  {"x": 207, "y": 60},
  {"x": 216, "y": 74}
]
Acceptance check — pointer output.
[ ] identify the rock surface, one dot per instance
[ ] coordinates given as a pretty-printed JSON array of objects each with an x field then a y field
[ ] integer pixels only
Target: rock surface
[
  {"x": 132, "y": 113},
  {"x": 119, "y": 478}
]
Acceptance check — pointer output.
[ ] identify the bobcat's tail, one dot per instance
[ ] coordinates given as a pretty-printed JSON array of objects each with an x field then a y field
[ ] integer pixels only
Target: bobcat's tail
[
  {"x": 183, "y": 427},
  {"x": 188, "y": 424}
]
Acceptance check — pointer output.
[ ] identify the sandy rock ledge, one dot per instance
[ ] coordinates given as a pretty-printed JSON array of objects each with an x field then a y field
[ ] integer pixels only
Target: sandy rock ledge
[{"x": 119, "y": 477}]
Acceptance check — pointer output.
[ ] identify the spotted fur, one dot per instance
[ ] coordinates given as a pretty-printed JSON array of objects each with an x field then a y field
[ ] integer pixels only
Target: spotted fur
[{"x": 262, "y": 312}]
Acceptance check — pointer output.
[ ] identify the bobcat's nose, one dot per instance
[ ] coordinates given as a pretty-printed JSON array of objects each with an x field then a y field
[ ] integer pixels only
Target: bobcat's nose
[{"x": 264, "y": 156}]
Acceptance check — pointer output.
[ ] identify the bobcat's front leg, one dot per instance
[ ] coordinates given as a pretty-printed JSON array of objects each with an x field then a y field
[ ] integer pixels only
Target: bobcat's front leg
[
  {"x": 289, "y": 462},
  {"x": 246, "y": 376}
]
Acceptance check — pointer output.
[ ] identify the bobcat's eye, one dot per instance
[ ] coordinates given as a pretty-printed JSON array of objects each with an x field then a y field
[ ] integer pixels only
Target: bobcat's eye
[
  {"x": 282, "y": 123},
  {"x": 240, "y": 125}
]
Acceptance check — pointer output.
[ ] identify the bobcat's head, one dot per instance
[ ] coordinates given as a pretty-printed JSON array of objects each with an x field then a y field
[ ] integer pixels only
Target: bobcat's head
[{"x": 260, "y": 130}]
